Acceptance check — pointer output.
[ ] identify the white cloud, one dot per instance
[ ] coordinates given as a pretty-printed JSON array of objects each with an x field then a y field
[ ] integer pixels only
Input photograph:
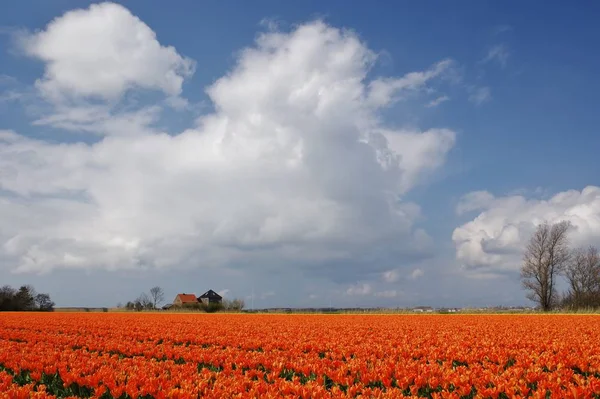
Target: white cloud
[
  {"x": 495, "y": 239},
  {"x": 93, "y": 58},
  {"x": 391, "y": 276},
  {"x": 102, "y": 52},
  {"x": 428, "y": 152},
  {"x": 295, "y": 164},
  {"x": 417, "y": 273},
  {"x": 385, "y": 91},
  {"x": 386, "y": 294},
  {"x": 224, "y": 292},
  {"x": 498, "y": 53},
  {"x": 359, "y": 290},
  {"x": 100, "y": 119},
  {"x": 437, "y": 101},
  {"x": 480, "y": 95},
  {"x": 474, "y": 201}
]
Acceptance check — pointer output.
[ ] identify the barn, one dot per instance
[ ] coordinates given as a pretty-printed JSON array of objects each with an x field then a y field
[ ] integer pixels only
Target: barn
[{"x": 210, "y": 296}]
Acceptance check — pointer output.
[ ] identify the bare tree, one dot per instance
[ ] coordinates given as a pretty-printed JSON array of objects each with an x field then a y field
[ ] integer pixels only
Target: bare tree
[
  {"x": 545, "y": 257},
  {"x": 583, "y": 275},
  {"x": 143, "y": 302},
  {"x": 157, "y": 295},
  {"x": 235, "y": 305}
]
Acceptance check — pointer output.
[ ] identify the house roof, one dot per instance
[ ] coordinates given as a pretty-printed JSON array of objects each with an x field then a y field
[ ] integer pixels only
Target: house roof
[
  {"x": 187, "y": 298},
  {"x": 210, "y": 294}
]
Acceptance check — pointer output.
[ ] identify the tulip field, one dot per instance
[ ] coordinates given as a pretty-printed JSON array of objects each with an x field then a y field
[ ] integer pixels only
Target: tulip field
[{"x": 167, "y": 355}]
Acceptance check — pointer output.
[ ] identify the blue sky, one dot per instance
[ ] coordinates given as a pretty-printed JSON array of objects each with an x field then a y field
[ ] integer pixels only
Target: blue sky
[{"x": 233, "y": 146}]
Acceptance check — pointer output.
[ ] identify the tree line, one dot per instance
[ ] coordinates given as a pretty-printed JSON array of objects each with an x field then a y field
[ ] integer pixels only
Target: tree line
[
  {"x": 24, "y": 299},
  {"x": 548, "y": 257}
]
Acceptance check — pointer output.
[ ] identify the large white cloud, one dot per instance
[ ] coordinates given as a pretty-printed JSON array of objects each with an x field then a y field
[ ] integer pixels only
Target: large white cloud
[
  {"x": 295, "y": 166},
  {"x": 494, "y": 240},
  {"x": 102, "y": 52}
]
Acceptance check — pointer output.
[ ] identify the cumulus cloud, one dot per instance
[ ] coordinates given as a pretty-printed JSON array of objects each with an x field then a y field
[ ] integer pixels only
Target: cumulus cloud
[
  {"x": 294, "y": 166},
  {"x": 103, "y": 51},
  {"x": 428, "y": 152},
  {"x": 93, "y": 59},
  {"x": 494, "y": 240}
]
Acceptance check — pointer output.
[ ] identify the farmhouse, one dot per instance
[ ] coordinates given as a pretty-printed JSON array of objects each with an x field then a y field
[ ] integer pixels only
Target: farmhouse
[
  {"x": 184, "y": 299},
  {"x": 210, "y": 297}
]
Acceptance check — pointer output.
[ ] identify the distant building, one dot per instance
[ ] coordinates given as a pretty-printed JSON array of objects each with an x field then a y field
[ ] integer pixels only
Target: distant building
[
  {"x": 421, "y": 309},
  {"x": 210, "y": 297},
  {"x": 447, "y": 310},
  {"x": 185, "y": 299}
]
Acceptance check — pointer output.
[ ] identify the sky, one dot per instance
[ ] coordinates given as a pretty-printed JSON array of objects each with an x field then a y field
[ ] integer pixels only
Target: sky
[{"x": 297, "y": 154}]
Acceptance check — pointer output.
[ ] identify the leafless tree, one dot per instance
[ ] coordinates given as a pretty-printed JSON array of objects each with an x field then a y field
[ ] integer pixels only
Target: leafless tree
[
  {"x": 157, "y": 295},
  {"x": 235, "y": 305},
  {"x": 583, "y": 275},
  {"x": 143, "y": 302},
  {"x": 545, "y": 257}
]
